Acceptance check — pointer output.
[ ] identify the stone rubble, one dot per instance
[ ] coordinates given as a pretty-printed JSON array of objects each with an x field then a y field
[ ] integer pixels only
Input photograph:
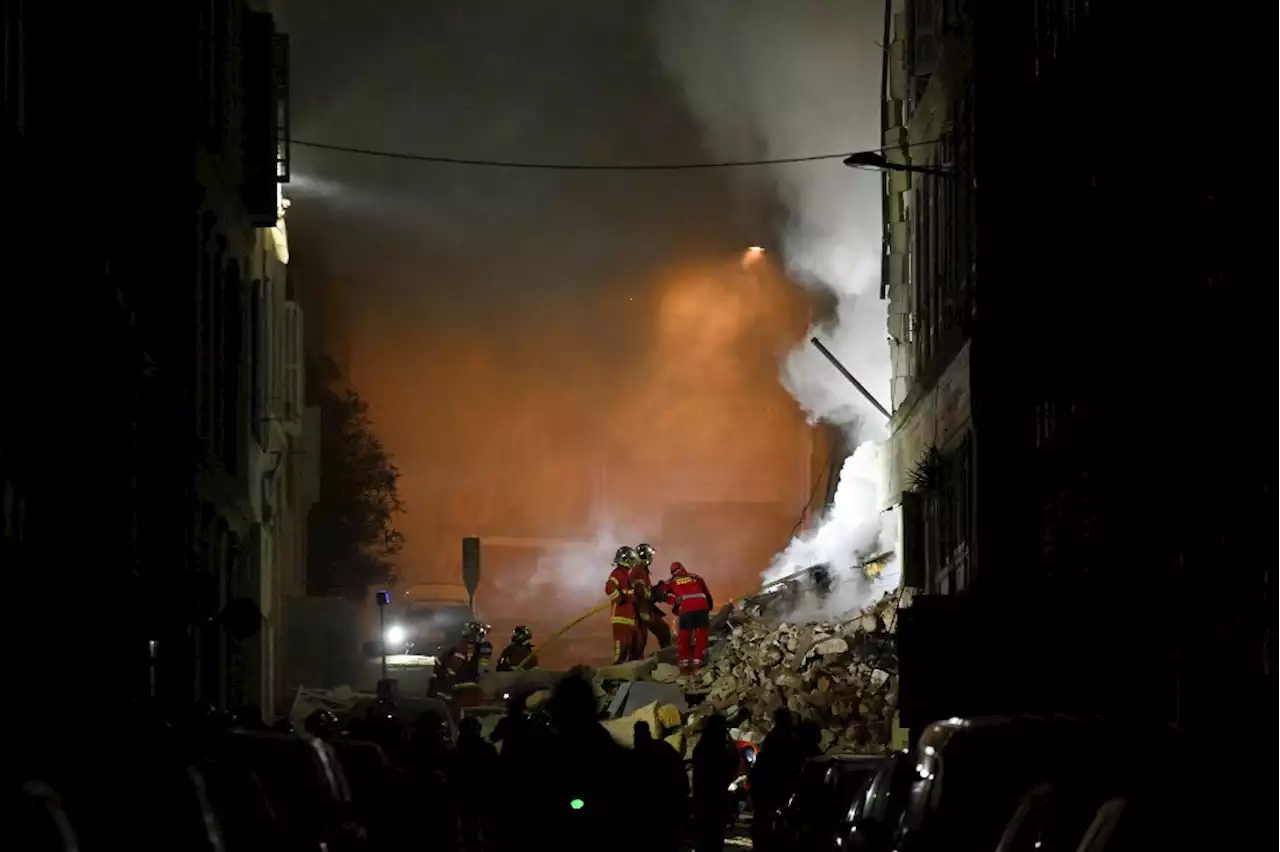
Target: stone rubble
[{"x": 841, "y": 673}]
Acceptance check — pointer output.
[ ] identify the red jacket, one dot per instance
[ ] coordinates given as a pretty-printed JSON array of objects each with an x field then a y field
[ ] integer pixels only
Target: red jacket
[
  {"x": 618, "y": 588},
  {"x": 641, "y": 583},
  {"x": 688, "y": 593}
]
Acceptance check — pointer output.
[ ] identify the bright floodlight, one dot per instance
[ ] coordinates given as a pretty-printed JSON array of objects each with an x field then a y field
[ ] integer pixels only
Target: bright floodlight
[
  {"x": 755, "y": 249},
  {"x": 395, "y": 635}
]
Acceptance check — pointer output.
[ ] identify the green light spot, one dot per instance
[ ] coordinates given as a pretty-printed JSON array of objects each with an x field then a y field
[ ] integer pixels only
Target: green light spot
[{"x": 576, "y": 804}]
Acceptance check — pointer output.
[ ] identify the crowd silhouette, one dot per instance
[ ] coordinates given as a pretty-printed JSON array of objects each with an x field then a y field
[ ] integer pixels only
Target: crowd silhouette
[{"x": 552, "y": 778}]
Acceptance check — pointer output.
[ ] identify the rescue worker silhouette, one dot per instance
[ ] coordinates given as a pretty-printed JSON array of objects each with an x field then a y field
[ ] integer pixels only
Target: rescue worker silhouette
[
  {"x": 652, "y": 619},
  {"x": 689, "y": 595},
  {"x": 520, "y": 650},
  {"x": 627, "y": 633},
  {"x": 470, "y": 658}
]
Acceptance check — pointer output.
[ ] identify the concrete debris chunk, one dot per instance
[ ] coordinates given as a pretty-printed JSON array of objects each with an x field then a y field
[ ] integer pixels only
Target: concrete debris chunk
[
  {"x": 665, "y": 673},
  {"x": 839, "y": 672},
  {"x": 635, "y": 670},
  {"x": 832, "y": 647}
]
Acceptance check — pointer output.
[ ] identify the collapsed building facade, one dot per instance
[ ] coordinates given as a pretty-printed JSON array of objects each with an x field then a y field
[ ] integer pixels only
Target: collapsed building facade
[{"x": 839, "y": 673}]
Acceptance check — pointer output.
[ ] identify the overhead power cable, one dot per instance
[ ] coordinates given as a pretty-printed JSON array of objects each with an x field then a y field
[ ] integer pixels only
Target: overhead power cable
[{"x": 578, "y": 167}]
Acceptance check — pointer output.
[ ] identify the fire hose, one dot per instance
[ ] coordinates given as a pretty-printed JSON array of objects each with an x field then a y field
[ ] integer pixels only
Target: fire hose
[{"x": 563, "y": 630}]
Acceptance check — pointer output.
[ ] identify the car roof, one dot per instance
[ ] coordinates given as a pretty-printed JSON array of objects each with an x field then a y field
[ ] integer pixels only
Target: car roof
[{"x": 850, "y": 759}]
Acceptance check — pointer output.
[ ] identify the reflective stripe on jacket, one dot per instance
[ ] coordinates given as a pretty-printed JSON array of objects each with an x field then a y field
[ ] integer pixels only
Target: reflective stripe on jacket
[
  {"x": 618, "y": 588},
  {"x": 689, "y": 593}
]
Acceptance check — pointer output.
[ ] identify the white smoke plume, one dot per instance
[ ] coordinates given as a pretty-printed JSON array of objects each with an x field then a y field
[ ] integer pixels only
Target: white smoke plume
[
  {"x": 771, "y": 79},
  {"x": 573, "y": 571},
  {"x": 854, "y": 529}
]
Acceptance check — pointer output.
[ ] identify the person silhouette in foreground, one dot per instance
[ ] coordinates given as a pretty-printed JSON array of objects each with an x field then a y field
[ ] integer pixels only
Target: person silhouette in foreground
[
  {"x": 770, "y": 775},
  {"x": 583, "y": 785},
  {"x": 715, "y": 766},
  {"x": 661, "y": 775},
  {"x": 473, "y": 774}
]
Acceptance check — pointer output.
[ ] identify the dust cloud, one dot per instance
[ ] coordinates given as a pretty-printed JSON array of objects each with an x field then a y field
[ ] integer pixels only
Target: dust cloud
[
  {"x": 774, "y": 80},
  {"x": 556, "y": 454},
  {"x": 560, "y": 362}
]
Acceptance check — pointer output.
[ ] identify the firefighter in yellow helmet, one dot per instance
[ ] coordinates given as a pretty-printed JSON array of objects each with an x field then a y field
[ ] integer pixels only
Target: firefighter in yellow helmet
[{"x": 627, "y": 635}]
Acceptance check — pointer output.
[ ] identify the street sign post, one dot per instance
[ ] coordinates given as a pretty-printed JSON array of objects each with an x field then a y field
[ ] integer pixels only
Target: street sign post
[{"x": 471, "y": 569}]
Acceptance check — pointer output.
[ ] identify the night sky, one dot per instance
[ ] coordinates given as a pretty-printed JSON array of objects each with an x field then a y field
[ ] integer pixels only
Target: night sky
[{"x": 550, "y": 354}]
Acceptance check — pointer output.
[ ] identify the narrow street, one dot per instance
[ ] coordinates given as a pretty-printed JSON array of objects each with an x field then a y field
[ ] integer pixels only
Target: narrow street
[{"x": 385, "y": 380}]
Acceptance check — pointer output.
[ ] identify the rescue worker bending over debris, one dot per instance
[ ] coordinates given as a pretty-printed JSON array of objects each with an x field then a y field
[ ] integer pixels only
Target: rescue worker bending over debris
[
  {"x": 626, "y": 632},
  {"x": 652, "y": 619},
  {"x": 689, "y": 595},
  {"x": 520, "y": 650}
]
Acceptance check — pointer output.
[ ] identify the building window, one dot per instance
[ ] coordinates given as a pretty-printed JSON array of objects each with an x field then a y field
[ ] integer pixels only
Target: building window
[
  {"x": 1046, "y": 422},
  {"x": 232, "y": 366},
  {"x": 949, "y": 523},
  {"x": 215, "y": 355},
  {"x": 943, "y": 267},
  {"x": 292, "y": 363},
  {"x": 1058, "y": 23},
  {"x": 204, "y": 345},
  {"x": 15, "y": 67},
  {"x": 924, "y": 44},
  {"x": 15, "y": 511},
  {"x": 257, "y": 363}
]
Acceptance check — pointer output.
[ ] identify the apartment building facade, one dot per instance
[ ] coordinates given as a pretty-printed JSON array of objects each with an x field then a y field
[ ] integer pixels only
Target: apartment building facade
[
  {"x": 1053, "y": 523},
  {"x": 257, "y": 471},
  {"x": 930, "y": 281},
  {"x": 155, "y": 349}
]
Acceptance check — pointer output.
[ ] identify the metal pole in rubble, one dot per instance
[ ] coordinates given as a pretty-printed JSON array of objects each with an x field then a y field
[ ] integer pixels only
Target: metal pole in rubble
[{"x": 857, "y": 384}]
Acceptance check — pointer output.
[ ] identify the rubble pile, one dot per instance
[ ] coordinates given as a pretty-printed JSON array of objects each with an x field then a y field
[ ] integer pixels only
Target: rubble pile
[{"x": 839, "y": 673}]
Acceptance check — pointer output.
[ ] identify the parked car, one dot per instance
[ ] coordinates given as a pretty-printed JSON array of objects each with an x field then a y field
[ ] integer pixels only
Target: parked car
[
  {"x": 824, "y": 790},
  {"x": 1040, "y": 784},
  {"x": 874, "y": 811}
]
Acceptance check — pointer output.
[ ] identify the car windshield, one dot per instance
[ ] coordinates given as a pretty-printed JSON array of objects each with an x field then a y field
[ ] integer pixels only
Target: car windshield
[
  {"x": 852, "y": 779},
  {"x": 813, "y": 789}
]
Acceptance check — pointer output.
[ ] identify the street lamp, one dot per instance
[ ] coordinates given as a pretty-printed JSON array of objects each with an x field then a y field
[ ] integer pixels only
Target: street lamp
[{"x": 876, "y": 160}]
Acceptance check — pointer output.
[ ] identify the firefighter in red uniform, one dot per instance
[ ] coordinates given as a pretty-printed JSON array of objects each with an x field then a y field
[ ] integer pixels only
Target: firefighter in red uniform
[
  {"x": 689, "y": 594},
  {"x": 623, "y": 609},
  {"x": 652, "y": 619}
]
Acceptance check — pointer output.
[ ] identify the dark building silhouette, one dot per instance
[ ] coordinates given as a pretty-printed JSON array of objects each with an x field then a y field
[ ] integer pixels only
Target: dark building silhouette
[
  {"x": 144, "y": 145},
  {"x": 1067, "y": 250}
]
